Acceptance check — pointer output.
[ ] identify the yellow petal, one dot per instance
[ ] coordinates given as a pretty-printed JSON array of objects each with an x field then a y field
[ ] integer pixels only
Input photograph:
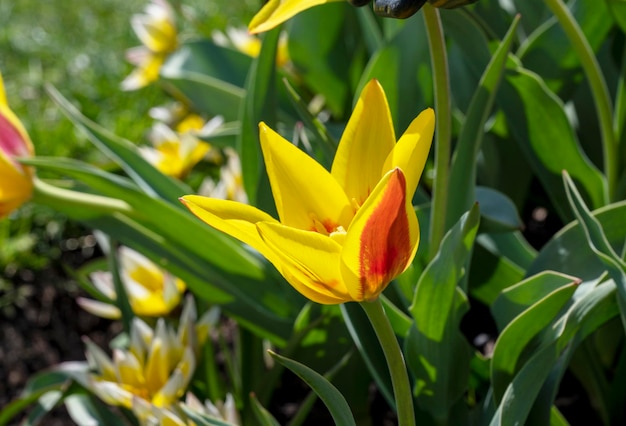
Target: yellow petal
[
  {"x": 308, "y": 260},
  {"x": 382, "y": 239},
  {"x": 275, "y": 12},
  {"x": 235, "y": 219},
  {"x": 365, "y": 144},
  {"x": 16, "y": 184},
  {"x": 306, "y": 195},
  {"x": 411, "y": 151},
  {"x": 3, "y": 95}
]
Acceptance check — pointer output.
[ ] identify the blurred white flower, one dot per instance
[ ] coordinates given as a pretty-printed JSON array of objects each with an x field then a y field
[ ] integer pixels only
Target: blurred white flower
[
  {"x": 156, "y": 29},
  {"x": 156, "y": 368},
  {"x": 176, "y": 152},
  {"x": 151, "y": 291}
]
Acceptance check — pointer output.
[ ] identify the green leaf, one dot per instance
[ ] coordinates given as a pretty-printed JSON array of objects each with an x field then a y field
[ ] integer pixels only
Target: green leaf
[
  {"x": 260, "y": 105},
  {"x": 86, "y": 409},
  {"x": 548, "y": 51},
  {"x": 516, "y": 339},
  {"x": 599, "y": 243},
  {"x": 210, "y": 77},
  {"x": 516, "y": 299},
  {"x": 537, "y": 120},
  {"x": 491, "y": 273},
  {"x": 593, "y": 306},
  {"x": 436, "y": 351},
  {"x": 332, "y": 398},
  {"x": 498, "y": 213},
  {"x": 569, "y": 252},
  {"x": 617, "y": 10},
  {"x": 463, "y": 167},
  {"x": 124, "y": 153},
  {"x": 402, "y": 67},
  {"x": 323, "y": 49},
  {"x": 261, "y": 414}
]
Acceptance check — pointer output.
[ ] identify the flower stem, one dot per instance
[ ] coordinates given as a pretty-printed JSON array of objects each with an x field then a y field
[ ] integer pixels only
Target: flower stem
[
  {"x": 599, "y": 89},
  {"x": 441, "y": 81},
  {"x": 395, "y": 361}
]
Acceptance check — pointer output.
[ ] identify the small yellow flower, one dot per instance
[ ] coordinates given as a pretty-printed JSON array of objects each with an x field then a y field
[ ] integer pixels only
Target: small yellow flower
[
  {"x": 16, "y": 180},
  {"x": 156, "y": 29},
  {"x": 151, "y": 291},
  {"x": 175, "y": 153},
  {"x": 157, "y": 366},
  {"x": 342, "y": 235}
]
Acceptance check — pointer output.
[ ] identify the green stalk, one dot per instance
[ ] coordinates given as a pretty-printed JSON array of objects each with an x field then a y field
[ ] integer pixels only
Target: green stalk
[
  {"x": 443, "y": 114},
  {"x": 395, "y": 361},
  {"x": 64, "y": 199},
  {"x": 599, "y": 90}
]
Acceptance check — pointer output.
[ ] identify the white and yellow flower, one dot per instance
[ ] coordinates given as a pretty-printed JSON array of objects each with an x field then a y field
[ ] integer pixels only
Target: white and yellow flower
[
  {"x": 156, "y": 368},
  {"x": 156, "y": 29},
  {"x": 176, "y": 152},
  {"x": 151, "y": 291}
]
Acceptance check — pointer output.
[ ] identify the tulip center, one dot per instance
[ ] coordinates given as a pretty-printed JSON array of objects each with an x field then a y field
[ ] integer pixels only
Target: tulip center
[{"x": 328, "y": 228}]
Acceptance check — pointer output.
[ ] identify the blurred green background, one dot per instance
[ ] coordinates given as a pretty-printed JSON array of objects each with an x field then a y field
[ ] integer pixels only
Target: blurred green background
[{"x": 78, "y": 46}]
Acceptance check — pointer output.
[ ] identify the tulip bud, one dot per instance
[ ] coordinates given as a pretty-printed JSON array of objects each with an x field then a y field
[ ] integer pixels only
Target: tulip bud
[{"x": 400, "y": 9}]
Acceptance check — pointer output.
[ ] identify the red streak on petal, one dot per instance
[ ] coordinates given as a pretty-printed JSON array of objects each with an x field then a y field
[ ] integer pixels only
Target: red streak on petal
[
  {"x": 385, "y": 241},
  {"x": 11, "y": 142}
]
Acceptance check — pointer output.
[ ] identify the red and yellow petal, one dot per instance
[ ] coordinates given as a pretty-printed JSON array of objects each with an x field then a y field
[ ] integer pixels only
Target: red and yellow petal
[
  {"x": 411, "y": 151},
  {"x": 382, "y": 239},
  {"x": 304, "y": 192},
  {"x": 365, "y": 144},
  {"x": 308, "y": 260}
]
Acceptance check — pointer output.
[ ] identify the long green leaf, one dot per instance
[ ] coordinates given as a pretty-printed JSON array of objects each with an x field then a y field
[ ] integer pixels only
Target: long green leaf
[
  {"x": 260, "y": 105},
  {"x": 463, "y": 168},
  {"x": 437, "y": 353},
  {"x": 536, "y": 118},
  {"x": 126, "y": 154},
  {"x": 599, "y": 243},
  {"x": 332, "y": 398}
]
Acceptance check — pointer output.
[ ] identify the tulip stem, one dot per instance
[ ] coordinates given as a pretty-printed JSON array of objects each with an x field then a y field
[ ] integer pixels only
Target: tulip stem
[
  {"x": 395, "y": 361},
  {"x": 599, "y": 90},
  {"x": 441, "y": 81}
]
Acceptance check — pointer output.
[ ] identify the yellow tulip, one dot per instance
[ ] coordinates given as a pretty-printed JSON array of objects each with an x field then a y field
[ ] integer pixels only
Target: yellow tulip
[
  {"x": 343, "y": 235},
  {"x": 16, "y": 180}
]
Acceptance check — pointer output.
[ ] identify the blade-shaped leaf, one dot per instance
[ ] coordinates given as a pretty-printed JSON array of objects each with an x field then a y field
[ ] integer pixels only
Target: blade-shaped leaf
[
  {"x": 437, "y": 353},
  {"x": 463, "y": 167},
  {"x": 332, "y": 398},
  {"x": 124, "y": 153}
]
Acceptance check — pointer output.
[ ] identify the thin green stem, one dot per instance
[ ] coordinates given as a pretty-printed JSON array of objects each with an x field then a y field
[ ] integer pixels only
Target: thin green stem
[
  {"x": 599, "y": 90},
  {"x": 395, "y": 361},
  {"x": 443, "y": 113}
]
